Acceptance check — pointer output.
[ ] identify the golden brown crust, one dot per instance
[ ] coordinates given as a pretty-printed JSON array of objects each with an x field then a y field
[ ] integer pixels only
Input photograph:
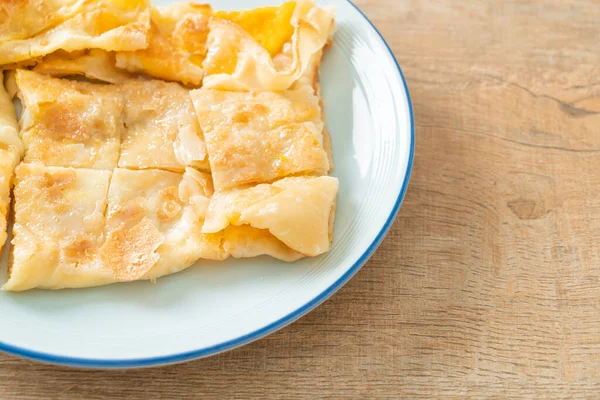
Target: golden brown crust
[
  {"x": 131, "y": 252},
  {"x": 170, "y": 206},
  {"x": 80, "y": 250}
]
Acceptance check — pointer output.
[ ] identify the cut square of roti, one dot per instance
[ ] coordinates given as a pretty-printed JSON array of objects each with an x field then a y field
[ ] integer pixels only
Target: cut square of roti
[
  {"x": 9, "y": 158},
  {"x": 176, "y": 44},
  {"x": 267, "y": 48},
  {"x": 298, "y": 211},
  {"x": 68, "y": 123},
  {"x": 161, "y": 128},
  {"x": 31, "y": 29},
  {"x": 256, "y": 137},
  {"x": 57, "y": 232},
  {"x": 154, "y": 223}
]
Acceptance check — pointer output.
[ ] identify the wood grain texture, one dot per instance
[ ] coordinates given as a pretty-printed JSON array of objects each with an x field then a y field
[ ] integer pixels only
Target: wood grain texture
[{"x": 488, "y": 285}]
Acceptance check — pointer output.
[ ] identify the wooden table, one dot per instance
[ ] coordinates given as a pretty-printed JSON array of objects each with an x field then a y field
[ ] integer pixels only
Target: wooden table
[{"x": 488, "y": 285}]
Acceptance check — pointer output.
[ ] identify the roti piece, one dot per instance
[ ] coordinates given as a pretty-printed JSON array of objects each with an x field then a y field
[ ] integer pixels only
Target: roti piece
[
  {"x": 161, "y": 128},
  {"x": 176, "y": 46},
  {"x": 266, "y": 48},
  {"x": 31, "y": 29},
  {"x": 154, "y": 223},
  {"x": 256, "y": 137},
  {"x": 59, "y": 217},
  {"x": 94, "y": 64},
  {"x": 69, "y": 124},
  {"x": 298, "y": 211}
]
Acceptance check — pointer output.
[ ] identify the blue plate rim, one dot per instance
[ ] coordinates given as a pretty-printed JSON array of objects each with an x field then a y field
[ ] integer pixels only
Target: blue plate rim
[{"x": 266, "y": 330}]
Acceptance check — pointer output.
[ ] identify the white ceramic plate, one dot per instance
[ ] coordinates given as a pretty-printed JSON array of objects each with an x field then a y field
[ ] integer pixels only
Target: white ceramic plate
[{"x": 215, "y": 306}]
